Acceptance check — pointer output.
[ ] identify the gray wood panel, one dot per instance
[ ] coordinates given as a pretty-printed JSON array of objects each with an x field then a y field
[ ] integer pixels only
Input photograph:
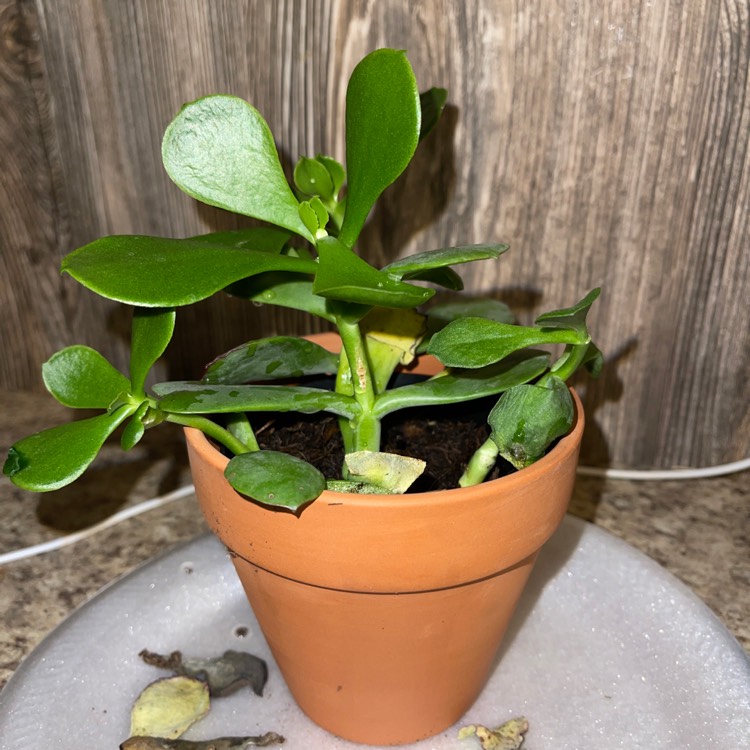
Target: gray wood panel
[{"x": 608, "y": 143}]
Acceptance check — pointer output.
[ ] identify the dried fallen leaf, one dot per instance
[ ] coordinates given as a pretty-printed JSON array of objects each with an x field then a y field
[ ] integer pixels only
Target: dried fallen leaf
[
  {"x": 224, "y": 674},
  {"x": 508, "y": 736},
  {"x": 167, "y": 707},
  {"x": 220, "y": 743}
]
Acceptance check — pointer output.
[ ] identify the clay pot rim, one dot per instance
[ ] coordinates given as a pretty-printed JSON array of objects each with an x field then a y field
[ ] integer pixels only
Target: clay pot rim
[{"x": 507, "y": 484}]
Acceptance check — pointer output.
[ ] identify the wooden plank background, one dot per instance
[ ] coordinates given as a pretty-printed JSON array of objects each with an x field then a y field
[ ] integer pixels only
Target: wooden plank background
[{"x": 607, "y": 142}]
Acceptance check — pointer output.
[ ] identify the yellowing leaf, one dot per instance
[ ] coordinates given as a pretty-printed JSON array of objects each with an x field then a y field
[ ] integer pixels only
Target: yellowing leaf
[
  {"x": 508, "y": 736},
  {"x": 394, "y": 473},
  {"x": 166, "y": 708},
  {"x": 400, "y": 330}
]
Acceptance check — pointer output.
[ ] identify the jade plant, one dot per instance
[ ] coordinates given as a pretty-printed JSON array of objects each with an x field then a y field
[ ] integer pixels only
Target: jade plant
[{"x": 220, "y": 151}]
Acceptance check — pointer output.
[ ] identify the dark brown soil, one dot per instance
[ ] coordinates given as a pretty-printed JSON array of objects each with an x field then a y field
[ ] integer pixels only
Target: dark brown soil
[{"x": 444, "y": 439}]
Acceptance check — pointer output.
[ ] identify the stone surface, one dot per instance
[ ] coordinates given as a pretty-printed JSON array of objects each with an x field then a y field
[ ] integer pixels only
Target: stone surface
[{"x": 698, "y": 530}]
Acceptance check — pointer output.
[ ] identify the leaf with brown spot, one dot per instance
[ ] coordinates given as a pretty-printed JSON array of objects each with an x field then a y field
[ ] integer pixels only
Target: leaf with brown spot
[
  {"x": 223, "y": 674},
  {"x": 220, "y": 743}
]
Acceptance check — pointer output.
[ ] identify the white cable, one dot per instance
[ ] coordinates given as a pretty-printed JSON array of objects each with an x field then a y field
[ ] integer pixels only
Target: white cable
[
  {"x": 665, "y": 474},
  {"x": 64, "y": 541},
  {"x": 157, "y": 502}
]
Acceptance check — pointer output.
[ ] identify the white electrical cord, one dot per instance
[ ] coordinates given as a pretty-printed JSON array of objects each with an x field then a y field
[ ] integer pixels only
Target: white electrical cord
[
  {"x": 157, "y": 502},
  {"x": 665, "y": 474},
  {"x": 113, "y": 520}
]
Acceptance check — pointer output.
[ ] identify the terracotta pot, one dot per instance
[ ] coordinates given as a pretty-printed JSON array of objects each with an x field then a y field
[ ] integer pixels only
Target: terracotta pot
[{"x": 385, "y": 613}]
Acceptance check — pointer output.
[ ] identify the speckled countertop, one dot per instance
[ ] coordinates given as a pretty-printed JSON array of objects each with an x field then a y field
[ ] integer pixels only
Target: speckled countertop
[{"x": 698, "y": 530}]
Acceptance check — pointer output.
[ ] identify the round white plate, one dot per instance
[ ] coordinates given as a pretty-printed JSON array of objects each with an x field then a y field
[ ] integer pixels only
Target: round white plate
[{"x": 607, "y": 650}]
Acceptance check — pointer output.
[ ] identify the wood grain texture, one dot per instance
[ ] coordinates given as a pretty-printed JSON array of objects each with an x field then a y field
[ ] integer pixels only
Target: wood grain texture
[{"x": 607, "y": 142}]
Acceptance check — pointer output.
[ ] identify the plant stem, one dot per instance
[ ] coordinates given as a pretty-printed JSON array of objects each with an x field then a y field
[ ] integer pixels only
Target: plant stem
[
  {"x": 239, "y": 426},
  {"x": 365, "y": 428},
  {"x": 344, "y": 386},
  {"x": 480, "y": 464},
  {"x": 211, "y": 429},
  {"x": 569, "y": 361}
]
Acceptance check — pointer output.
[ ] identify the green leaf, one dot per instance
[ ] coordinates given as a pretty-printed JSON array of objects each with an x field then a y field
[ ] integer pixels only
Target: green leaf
[
  {"x": 432, "y": 103},
  {"x": 271, "y": 359},
  {"x": 335, "y": 170},
  {"x": 264, "y": 239},
  {"x": 81, "y": 378},
  {"x": 220, "y": 150},
  {"x": 162, "y": 272},
  {"x": 593, "y": 360},
  {"x": 275, "y": 479},
  {"x": 446, "y": 256},
  {"x": 571, "y": 318},
  {"x": 285, "y": 290},
  {"x": 445, "y": 312},
  {"x": 343, "y": 275},
  {"x": 465, "y": 385},
  {"x": 477, "y": 342},
  {"x": 199, "y": 398},
  {"x": 135, "y": 429},
  {"x": 528, "y": 418},
  {"x": 442, "y": 313},
  {"x": 445, "y": 277},
  {"x": 53, "y": 458},
  {"x": 151, "y": 332},
  {"x": 312, "y": 177},
  {"x": 313, "y": 213},
  {"x": 382, "y": 131}
]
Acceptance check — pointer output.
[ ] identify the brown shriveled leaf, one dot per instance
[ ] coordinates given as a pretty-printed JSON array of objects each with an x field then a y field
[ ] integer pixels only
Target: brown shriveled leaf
[
  {"x": 223, "y": 674},
  {"x": 508, "y": 736},
  {"x": 167, "y": 707},
  {"x": 220, "y": 743}
]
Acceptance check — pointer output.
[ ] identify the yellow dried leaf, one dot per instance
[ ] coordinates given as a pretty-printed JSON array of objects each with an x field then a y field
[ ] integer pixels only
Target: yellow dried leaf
[
  {"x": 508, "y": 736},
  {"x": 166, "y": 708}
]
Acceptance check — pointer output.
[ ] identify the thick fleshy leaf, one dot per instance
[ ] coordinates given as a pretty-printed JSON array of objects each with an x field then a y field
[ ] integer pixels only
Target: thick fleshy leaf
[
  {"x": 465, "y": 385},
  {"x": 390, "y": 471},
  {"x": 478, "y": 342},
  {"x": 220, "y": 150},
  {"x": 383, "y": 119},
  {"x": 167, "y": 708},
  {"x": 343, "y": 275},
  {"x": 445, "y": 312},
  {"x": 81, "y": 378},
  {"x": 313, "y": 213},
  {"x": 200, "y": 398},
  {"x": 445, "y": 277},
  {"x": 135, "y": 429},
  {"x": 432, "y": 103},
  {"x": 571, "y": 318},
  {"x": 161, "y": 272},
  {"x": 593, "y": 360},
  {"x": 313, "y": 178},
  {"x": 275, "y": 479},
  {"x": 285, "y": 290},
  {"x": 335, "y": 170},
  {"x": 152, "y": 330},
  {"x": 391, "y": 338},
  {"x": 446, "y": 256},
  {"x": 264, "y": 239},
  {"x": 53, "y": 458},
  {"x": 528, "y": 418},
  {"x": 271, "y": 359}
]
